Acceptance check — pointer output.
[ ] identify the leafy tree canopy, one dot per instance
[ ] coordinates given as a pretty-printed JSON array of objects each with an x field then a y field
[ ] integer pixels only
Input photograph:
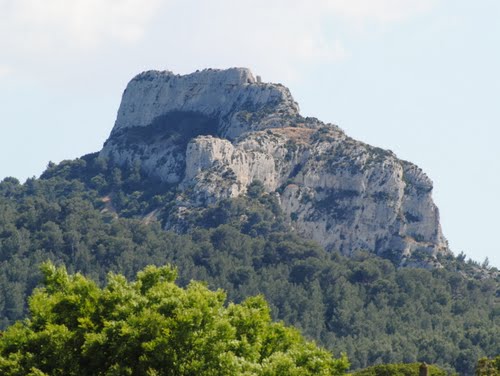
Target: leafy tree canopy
[
  {"x": 151, "y": 326},
  {"x": 488, "y": 367}
]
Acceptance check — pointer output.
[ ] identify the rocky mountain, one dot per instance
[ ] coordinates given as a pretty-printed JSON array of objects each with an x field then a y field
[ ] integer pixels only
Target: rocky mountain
[{"x": 214, "y": 132}]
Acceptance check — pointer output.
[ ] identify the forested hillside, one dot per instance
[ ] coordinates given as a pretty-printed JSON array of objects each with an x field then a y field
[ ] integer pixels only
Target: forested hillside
[{"x": 95, "y": 218}]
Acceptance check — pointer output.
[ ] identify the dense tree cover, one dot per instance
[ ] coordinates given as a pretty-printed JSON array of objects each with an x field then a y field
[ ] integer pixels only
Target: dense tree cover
[
  {"x": 95, "y": 218},
  {"x": 408, "y": 369},
  {"x": 488, "y": 367},
  {"x": 152, "y": 327}
]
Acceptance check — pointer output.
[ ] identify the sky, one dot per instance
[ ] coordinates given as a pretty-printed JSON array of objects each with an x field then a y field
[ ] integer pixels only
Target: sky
[{"x": 418, "y": 77}]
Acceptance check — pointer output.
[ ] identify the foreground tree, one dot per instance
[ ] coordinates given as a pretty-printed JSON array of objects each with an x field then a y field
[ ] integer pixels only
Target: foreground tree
[
  {"x": 152, "y": 327},
  {"x": 488, "y": 367}
]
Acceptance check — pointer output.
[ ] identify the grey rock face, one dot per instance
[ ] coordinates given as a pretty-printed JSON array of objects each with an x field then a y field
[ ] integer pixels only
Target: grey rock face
[
  {"x": 228, "y": 96},
  {"x": 214, "y": 132}
]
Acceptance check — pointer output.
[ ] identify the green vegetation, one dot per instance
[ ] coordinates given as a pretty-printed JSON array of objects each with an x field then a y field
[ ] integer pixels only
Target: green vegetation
[
  {"x": 95, "y": 218},
  {"x": 488, "y": 367},
  {"x": 409, "y": 369},
  {"x": 152, "y": 327}
]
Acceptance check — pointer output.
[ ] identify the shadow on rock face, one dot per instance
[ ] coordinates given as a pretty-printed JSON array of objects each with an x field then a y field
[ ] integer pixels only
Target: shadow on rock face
[{"x": 177, "y": 127}]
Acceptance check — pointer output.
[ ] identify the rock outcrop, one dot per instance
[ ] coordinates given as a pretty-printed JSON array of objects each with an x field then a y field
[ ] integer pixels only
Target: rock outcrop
[
  {"x": 216, "y": 131},
  {"x": 230, "y": 96}
]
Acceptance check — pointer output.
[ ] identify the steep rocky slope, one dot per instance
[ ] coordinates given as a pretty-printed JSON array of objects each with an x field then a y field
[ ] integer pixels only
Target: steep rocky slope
[{"x": 213, "y": 132}]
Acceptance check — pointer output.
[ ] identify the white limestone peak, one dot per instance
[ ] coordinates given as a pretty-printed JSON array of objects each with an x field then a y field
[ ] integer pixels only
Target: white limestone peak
[{"x": 220, "y": 94}]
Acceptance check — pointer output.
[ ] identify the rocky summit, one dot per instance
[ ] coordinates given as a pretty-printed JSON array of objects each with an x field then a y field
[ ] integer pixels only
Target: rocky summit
[{"x": 214, "y": 132}]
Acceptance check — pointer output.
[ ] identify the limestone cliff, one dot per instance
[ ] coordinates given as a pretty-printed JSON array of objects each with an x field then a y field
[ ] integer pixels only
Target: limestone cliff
[{"x": 213, "y": 132}]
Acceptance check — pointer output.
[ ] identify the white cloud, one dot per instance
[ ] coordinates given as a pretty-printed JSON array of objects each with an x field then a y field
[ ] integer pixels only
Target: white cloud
[
  {"x": 310, "y": 49},
  {"x": 300, "y": 31},
  {"x": 279, "y": 38},
  {"x": 5, "y": 71},
  {"x": 377, "y": 11},
  {"x": 276, "y": 38},
  {"x": 44, "y": 25}
]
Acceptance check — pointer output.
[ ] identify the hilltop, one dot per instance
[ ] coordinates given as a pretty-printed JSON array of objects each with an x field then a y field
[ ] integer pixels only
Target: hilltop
[{"x": 214, "y": 132}]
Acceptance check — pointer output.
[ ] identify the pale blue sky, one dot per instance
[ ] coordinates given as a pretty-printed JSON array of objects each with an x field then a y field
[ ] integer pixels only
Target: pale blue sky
[{"x": 419, "y": 77}]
